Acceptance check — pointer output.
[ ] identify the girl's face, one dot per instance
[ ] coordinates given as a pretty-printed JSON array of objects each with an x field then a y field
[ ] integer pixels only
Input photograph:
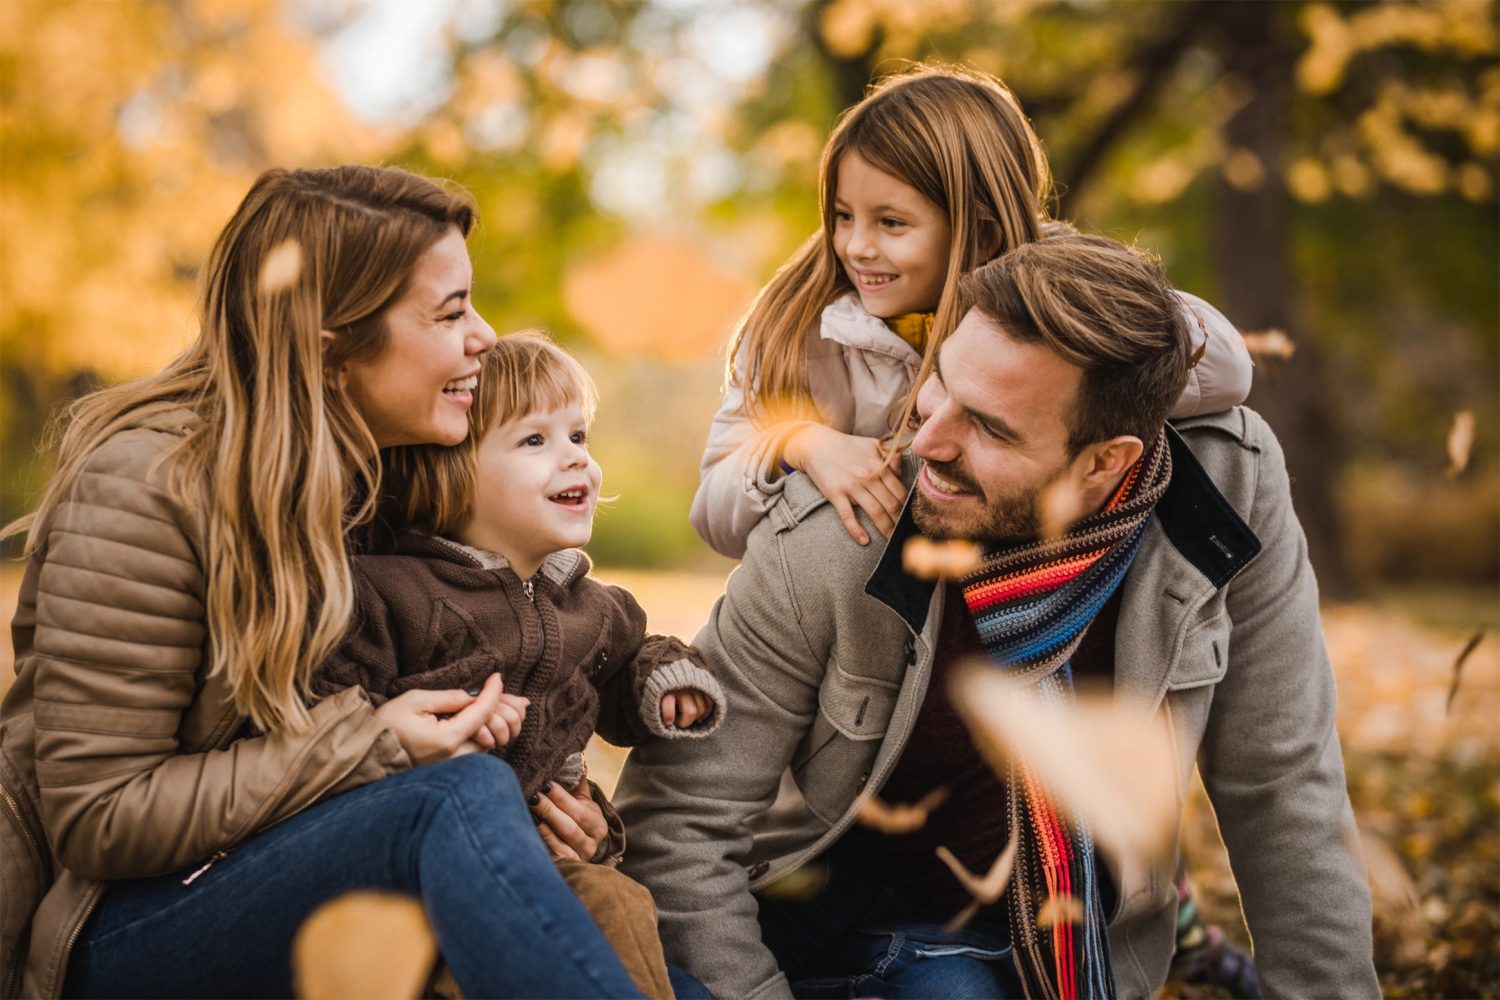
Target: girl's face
[
  {"x": 536, "y": 487},
  {"x": 892, "y": 241},
  {"x": 418, "y": 390}
]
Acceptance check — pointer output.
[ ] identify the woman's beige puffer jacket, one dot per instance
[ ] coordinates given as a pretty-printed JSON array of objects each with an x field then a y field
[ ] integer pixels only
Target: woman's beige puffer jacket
[{"x": 117, "y": 751}]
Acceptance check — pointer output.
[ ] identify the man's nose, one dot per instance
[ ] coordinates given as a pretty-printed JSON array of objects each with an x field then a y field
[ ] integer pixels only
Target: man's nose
[{"x": 935, "y": 439}]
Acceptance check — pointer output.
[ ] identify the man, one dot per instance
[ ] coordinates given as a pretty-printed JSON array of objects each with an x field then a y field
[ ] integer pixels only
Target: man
[{"x": 1180, "y": 577}]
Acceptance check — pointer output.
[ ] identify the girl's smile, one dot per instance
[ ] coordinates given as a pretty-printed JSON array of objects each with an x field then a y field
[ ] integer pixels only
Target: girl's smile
[{"x": 892, "y": 241}]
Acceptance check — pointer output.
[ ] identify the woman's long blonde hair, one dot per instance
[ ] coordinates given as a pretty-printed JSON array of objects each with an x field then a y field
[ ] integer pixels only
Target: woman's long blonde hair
[
  {"x": 280, "y": 458},
  {"x": 955, "y": 135}
]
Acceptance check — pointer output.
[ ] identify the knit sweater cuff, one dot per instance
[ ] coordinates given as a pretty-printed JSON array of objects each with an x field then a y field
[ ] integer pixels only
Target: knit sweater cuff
[{"x": 672, "y": 677}]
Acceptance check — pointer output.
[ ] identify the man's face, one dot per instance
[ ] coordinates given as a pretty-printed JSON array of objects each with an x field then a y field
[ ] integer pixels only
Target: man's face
[{"x": 994, "y": 434}]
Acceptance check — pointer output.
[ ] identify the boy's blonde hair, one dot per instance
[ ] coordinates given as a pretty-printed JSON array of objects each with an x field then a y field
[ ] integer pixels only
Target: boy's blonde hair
[
  {"x": 958, "y": 137},
  {"x": 433, "y": 485}
]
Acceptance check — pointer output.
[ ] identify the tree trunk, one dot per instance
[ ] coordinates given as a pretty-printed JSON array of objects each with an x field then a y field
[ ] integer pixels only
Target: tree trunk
[{"x": 1251, "y": 250}]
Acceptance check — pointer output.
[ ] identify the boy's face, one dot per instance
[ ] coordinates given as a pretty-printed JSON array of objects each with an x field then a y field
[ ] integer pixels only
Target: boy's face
[{"x": 536, "y": 487}]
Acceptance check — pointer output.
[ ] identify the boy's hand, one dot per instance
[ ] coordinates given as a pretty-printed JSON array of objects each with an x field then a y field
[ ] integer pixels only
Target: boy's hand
[{"x": 685, "y": 706}]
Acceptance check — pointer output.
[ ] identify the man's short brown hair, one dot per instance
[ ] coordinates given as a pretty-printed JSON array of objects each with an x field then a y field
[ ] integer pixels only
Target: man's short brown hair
[{"x": 1104, "y": 307}]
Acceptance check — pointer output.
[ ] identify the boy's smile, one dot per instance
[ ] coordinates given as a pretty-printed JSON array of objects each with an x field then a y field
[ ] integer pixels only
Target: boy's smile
[{"x": 536, "y": 487}]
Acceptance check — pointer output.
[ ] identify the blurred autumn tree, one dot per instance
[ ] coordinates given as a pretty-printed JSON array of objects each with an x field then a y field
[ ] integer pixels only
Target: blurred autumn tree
[
  {"x": 1326, "y": 170},
  {"x": 128, "y": 133}
]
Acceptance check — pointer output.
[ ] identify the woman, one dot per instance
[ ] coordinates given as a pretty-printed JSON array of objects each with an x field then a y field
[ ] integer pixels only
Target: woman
[{"x": 172, "y": 792}]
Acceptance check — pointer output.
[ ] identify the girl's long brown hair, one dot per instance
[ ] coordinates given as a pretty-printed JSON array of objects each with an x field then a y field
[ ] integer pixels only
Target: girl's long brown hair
[
  {"x": 955, "y": 135},
  {"x": 280, "y": 460}
]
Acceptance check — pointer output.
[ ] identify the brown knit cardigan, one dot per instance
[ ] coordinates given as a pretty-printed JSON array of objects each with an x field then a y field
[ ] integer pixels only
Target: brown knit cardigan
[{"x": 431, "y": 615}]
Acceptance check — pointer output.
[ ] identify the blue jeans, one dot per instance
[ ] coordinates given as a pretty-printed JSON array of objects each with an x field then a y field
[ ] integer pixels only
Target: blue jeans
[
  {"x": 857, "y": 938},
  {"x": 455, "y": 834}
]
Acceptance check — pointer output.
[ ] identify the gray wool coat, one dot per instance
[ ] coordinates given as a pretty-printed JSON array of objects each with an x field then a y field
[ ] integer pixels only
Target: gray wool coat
[{"x": 824, "y": 649}]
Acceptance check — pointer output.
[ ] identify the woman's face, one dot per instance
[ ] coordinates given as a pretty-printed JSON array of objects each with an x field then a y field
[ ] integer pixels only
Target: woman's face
[{"x": 418, "y": 390}]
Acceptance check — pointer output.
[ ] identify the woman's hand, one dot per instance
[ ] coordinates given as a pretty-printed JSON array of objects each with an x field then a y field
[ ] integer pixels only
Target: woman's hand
[
  {"x": 571, "y": 823},
  {"x": 851, "y": 472},
  {"x": 437, "y": 725}
]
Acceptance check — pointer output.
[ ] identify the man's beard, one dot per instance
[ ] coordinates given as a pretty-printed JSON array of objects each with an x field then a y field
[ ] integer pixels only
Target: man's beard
[{"x": 1010, "y": 517}]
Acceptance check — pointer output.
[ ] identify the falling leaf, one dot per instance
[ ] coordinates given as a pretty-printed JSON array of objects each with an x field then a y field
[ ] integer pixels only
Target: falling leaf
[
  {"x": 281, "y": 268},
  {"x": 1061, "y": 909},
  {"x": 364, "y": 944},
  {"x": 1458, "y": 666},
  {"x": 1270, "y": 344},
  {"x": 948, "y": 560},
  {"x": 1105, "y": 759},
  {"x": 1394, "y": 898},
  {"x": 798, "y": 884},
  {"x": 1460, "y": 442},
  {"x": 985, "y": 889},
  {"x": 903, "y": 817},
  {"x": 1056, "y": 505}
]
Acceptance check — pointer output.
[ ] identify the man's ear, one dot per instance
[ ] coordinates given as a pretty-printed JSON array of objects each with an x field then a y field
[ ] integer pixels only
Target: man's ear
[{"x": 1102, "y": 464}]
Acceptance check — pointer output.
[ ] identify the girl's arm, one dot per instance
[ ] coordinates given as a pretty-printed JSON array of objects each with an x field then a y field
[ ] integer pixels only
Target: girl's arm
[
  {"x": 743, "y": 469},
  {"x": 739, "y": 476},
  {"x": 1221, "y": 379}
]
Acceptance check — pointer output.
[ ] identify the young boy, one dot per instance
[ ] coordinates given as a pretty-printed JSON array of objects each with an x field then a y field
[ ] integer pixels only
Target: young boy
[{"x": 486, "y": 578}]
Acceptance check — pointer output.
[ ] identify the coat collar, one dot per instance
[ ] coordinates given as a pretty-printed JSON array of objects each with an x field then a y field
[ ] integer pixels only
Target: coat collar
[
  {"x": 1204, "y": 531},
  {"x": 845, "y": 321}
]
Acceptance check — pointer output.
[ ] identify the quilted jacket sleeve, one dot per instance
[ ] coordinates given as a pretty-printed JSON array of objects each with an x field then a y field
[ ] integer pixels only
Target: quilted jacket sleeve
[
  {"x": 119, "y": 647},
  {"x": 730, "y": 500}
]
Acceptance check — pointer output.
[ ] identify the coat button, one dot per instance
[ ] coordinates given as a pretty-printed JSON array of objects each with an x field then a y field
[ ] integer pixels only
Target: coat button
[
  {"x": 864, "y": 779},
  {"x": 910, "y": 649},
  {"x": 758, "y": 869}
]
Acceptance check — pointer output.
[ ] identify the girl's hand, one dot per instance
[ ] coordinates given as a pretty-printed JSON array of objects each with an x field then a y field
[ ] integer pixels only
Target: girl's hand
[
  {"x": 851, "y": 472},
  {"x": 571, "y": 823},
  {"x": 685, "y": 706},
  {"x": 437, "y": 725}
]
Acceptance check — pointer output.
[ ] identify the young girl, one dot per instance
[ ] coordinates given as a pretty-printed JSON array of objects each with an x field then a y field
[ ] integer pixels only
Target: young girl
[
  {"x": 486, "y": 579},
  {"x": 934, "y": 173}
]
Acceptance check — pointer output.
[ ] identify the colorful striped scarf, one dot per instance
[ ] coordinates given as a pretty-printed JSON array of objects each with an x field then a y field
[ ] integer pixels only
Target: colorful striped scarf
[{"x": 1031, "y": 604}]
